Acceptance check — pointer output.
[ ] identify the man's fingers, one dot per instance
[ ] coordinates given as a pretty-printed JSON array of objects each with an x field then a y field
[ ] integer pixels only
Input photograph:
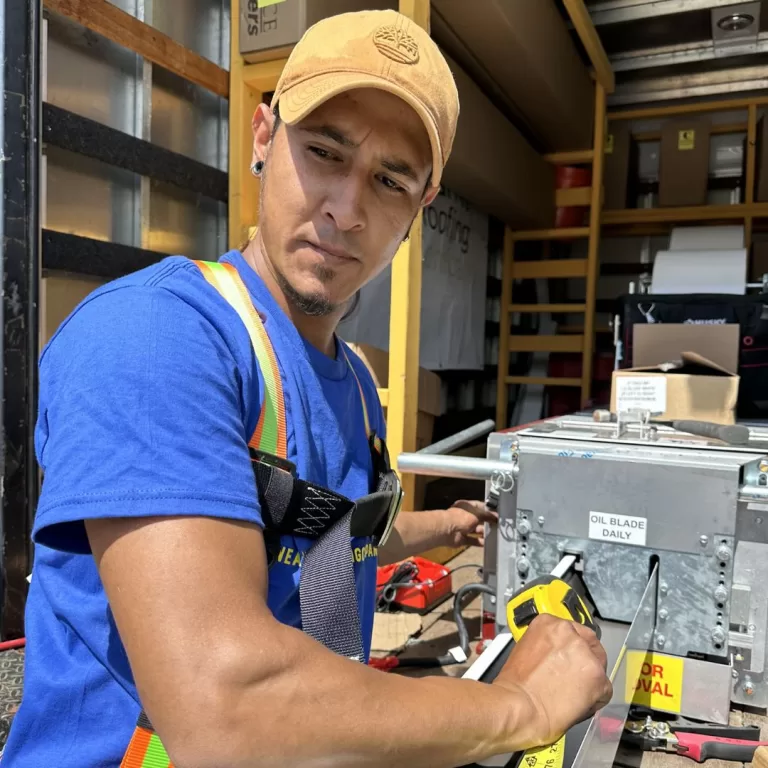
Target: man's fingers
[
  {"x": 477, "y": 508},
  {"x": 592, "y": 641}
]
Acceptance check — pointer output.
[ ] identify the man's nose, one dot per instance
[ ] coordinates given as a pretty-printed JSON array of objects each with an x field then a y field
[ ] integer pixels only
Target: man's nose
[{"x": 344, "y": 202}]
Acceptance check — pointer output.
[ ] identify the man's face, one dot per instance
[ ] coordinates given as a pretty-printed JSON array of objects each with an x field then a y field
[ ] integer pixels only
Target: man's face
[{"x": 340, "y": 191}]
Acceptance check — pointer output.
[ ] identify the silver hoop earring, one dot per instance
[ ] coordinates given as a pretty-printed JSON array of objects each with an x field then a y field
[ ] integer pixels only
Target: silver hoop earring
[{"x": 257, "y": 168}]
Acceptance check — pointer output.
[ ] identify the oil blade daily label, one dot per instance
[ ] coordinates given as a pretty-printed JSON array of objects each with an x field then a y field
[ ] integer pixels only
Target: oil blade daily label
[{"x": 545, "y": 757}]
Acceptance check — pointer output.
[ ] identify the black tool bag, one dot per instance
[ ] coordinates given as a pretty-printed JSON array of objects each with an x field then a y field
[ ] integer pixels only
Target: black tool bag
[{"x": 749, "y": 312}]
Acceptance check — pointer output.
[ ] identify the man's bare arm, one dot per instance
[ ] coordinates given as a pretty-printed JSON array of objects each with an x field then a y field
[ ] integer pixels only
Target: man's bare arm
[{"x": 227, "y": 686}]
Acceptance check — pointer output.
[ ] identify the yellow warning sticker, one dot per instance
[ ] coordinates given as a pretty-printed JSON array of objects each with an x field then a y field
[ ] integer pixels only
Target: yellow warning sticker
[
  {"x": 686, "y": 139},
  {"x": 609, "y": 144},
  {"x": 659, "y": 680},
  {"x": 264, "y": 3},
  {"x": 545, "y": 757}
]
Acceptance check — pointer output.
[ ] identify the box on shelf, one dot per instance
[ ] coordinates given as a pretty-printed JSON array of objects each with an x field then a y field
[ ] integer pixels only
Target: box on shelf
[
  {"x": 270, "y": 32},
  {"x": 692, "y": 387},
  {"x": 523, "y": 56},
  {"x": 620, "y": 167},
  {"x": 684, "y": 162}
]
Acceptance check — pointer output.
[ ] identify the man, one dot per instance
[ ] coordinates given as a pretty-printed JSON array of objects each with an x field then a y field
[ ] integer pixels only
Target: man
[{"x": 159, "y": 583}]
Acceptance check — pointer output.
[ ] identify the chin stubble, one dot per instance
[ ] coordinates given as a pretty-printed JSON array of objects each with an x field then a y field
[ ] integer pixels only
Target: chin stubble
[{"x": 310, "y": 304}]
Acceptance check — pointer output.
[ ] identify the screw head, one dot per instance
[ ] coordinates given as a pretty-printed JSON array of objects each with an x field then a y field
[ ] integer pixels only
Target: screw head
[
  {"x": 523, "y": 565},
  {"x": 663, "y": 588},
  {"x": 735, "y": 674},
  {"x": 523, "y": 527},
  {"x": 540, "y": 519},
  {"x": 720, "y": 594},
  {"x": 752, "y": 628},
  {"x": 660, "y": 641},
  {"x": 663, "y": 614},
  {"x": 723, "y": 553},
  {"x": 763, "y": 465},
  {"x": 748, "y": 687},
  {"x": 717, "y": 636},
  {"x": 646, "y": 637},
  {"x": 703, "y": 540},
  {"x": 493, "y": 599}
]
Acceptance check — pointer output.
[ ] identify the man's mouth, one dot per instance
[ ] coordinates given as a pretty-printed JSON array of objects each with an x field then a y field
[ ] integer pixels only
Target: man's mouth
[{"x": 331, "y": 253}]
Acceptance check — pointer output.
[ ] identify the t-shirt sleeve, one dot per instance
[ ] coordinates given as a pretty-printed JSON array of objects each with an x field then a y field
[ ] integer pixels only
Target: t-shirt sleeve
[{"x": 143, "y": 412}]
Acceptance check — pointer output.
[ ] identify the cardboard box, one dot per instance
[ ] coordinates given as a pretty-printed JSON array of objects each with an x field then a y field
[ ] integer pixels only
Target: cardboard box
[
  {"x": 270, "y": 32},
  {"x": 659, "y": 343},
  {"x": 691, "y": 388},
  {"x": 499, "y": 173},
  {"x": 522, "y": 56},
  {"x": 620, "y": 167},
  {"x": 684, "y": 162},
  {"x": 761, "y": 161}
]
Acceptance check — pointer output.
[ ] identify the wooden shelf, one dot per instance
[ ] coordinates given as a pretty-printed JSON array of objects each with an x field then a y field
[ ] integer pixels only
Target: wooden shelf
[
  {"x": 689, "y": 213},
  {"x": 549, "y": 268},
  {"x": 579, "y": 157},
  {"x": 562, "y": 233},
  {"x": 547, "y": 381},
  {"x": 543, "y": 343},
  {"x": 547, "y": 308},
  {"x": 573, "y": 196}
]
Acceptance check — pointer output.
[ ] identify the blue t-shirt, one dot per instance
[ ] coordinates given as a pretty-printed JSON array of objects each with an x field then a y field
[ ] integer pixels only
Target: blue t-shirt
[{"x": 149, "y": 393}]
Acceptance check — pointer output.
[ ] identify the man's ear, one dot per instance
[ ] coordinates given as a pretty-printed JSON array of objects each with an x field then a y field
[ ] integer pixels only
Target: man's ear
[
  {"x": 263, "y": 122},
  {"x": 429, "y": 196}
]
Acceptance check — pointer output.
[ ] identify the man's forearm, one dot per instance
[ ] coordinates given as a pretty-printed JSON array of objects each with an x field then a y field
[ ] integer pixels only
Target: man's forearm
[
  {"x": 308, "y": 708},
  {"x": 414, "y": 532}
]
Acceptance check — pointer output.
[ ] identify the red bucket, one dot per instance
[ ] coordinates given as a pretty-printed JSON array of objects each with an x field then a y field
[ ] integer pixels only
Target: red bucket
[{"x": 568, "y": 177}]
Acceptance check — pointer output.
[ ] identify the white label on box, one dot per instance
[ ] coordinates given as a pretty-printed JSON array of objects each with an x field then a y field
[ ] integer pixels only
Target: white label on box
[
  {"x": 646, "y": 393},
  {"x": 620, "y": 529}
]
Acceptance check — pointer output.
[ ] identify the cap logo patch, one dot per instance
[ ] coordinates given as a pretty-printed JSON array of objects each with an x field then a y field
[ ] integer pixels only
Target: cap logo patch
[{"x": 396, "y": 44}]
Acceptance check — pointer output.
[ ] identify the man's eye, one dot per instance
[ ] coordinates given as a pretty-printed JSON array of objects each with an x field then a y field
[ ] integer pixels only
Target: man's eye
[
  {"x": 321, "y": 153},
  {"x": 394, "y": 186}
]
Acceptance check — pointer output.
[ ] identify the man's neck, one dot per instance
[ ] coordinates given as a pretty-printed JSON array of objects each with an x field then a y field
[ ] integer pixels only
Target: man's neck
[{"x": 318, "y": 331}]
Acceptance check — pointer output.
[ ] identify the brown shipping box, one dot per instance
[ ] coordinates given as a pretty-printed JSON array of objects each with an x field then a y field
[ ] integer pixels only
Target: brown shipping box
[
  {"x": 522, "y": 55},
  {"x": 761, "y": 161},
  {"x": 270, "y": 32},
  {"x": 620, "y": 167},
  {"x": 691, "y": 388},
  {"x": 499, "y": 172},
  {"x": 430, "y": 384},
  {"x": 684, "y": 162},
  {"x": 662, "y": 342}
]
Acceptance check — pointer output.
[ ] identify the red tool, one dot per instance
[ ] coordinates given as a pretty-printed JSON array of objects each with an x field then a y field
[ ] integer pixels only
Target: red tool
[{"x": 414, "y": 584}]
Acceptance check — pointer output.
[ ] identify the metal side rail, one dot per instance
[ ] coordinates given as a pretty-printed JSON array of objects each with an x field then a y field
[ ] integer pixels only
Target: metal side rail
[{"x": 594, "y": 742}]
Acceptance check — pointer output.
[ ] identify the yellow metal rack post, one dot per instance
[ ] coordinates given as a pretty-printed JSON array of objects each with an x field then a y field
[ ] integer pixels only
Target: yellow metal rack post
[
  {"x": 248, "y": 85},
  {"x": 561, "y": 268}
]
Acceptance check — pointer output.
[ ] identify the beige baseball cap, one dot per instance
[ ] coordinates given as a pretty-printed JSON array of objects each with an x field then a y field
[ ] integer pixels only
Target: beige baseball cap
[{"x": 373, "y": 49}]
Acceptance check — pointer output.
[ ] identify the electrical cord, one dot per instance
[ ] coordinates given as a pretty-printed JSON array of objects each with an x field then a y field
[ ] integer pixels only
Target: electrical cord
[{"x": 458, "y": 618}]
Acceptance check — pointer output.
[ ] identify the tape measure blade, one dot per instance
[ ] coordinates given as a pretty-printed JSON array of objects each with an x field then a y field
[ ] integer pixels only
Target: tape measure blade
[{"x": 551, "y": 756}]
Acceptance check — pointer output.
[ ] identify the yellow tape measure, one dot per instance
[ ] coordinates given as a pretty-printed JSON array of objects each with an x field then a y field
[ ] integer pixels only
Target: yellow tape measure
[{"x": 551, "y": 595}]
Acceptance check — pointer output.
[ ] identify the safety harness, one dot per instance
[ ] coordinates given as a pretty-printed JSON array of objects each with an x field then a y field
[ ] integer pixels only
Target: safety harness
[{"x": 295, "y": 507}]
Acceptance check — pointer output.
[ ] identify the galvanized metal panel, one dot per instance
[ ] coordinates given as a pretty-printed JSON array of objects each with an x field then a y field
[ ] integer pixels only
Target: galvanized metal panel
[
  {"x": 187, "y": 224},
  {"x": 200, "y": 25},
  {"x": 189, "y": 119},
  {"x": 88, "y": 198},
  {"x": 92, "y": 76}
]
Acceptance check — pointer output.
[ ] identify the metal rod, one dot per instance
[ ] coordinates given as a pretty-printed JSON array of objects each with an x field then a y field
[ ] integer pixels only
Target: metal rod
[
  {"x": 456, "y": 441},
  {"x": 461, "y": 467}
]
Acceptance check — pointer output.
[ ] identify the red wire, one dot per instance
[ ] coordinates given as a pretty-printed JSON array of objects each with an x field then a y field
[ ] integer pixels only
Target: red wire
[{"x": 10, "y": 645}]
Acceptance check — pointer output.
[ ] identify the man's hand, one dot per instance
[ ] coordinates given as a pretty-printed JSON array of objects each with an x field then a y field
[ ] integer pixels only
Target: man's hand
[
  {"x": 465, "y": 523},
  {"x": 561, "y": 667}
]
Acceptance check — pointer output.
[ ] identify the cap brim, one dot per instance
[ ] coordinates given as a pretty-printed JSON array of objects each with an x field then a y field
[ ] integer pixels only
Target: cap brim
[{"x": 299, "y": 100}]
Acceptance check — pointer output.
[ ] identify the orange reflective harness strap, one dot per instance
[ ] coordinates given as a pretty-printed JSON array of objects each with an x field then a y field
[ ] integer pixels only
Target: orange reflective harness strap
[{"x": 327, "y": 587}]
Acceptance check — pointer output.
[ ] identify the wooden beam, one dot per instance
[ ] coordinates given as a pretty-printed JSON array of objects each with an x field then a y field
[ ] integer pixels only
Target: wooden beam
[
  {"x": 584, "y": 27},
  {"x": 549, "y": 268},
  {"x": 405, "y": 326},
  {"x": 383, "y": 397},
  {"x": 720, "y": 105},
  {"x": 544, "y": 343},
  {"x": 578, "y": 157},
  {"x": 109, "y": 21},
  {"x": 749, "y": 183},
  {"x": 578, "y": 196},
  {"x": 554, "y": 308},
  {"x": 243, "y": 213},
  {"x": 718, "y": 129},
  {"x": 593, "y": 248},
  {"x": 546, "y": 381},
  {"x": 688, "y": 213},
  {"x": 506, "y": 301},
  {"x": 556, "y": 233}
]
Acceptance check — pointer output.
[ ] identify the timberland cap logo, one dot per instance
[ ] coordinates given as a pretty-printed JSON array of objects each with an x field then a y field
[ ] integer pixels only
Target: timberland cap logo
[{"x": 396, "y": 44}]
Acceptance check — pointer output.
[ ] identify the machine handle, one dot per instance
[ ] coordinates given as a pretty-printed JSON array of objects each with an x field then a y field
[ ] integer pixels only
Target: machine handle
[
  {"x": 734, "y": 434},
  {"x": 699, "y": 747}
]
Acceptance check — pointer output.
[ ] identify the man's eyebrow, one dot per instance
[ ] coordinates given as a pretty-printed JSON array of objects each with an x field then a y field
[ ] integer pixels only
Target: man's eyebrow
[
  {"x": 334, "y": 134},
  {"x": 400, "y": 167}
]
